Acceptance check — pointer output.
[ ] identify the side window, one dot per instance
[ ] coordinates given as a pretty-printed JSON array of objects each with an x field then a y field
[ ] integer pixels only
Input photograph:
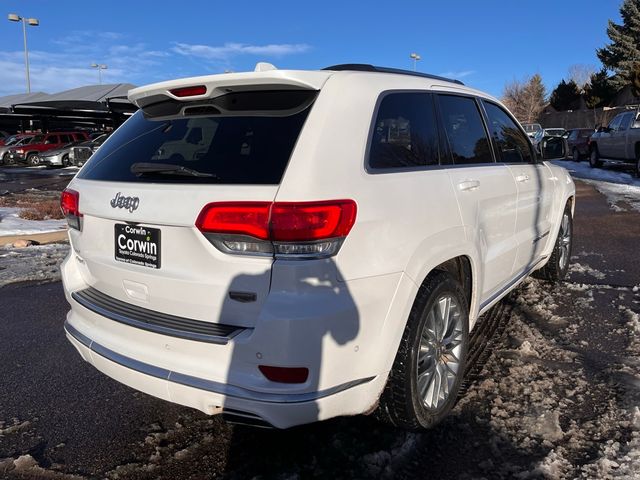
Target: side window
[
  {"x": 65, "y": 139},
  {"x": 405, "y": 132},
  {"x": 464, "y": 129},
  {"x": 625, "y": 121},
  {"x": 574, "y": 135},
  {"x": 615, "y": 123},
  {"x": 512, "y": 143},
  {"x": 51, "y": 139}
]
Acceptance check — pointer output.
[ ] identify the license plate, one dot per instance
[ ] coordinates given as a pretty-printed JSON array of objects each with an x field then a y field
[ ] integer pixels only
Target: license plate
[{"x": 137, "y": 245}]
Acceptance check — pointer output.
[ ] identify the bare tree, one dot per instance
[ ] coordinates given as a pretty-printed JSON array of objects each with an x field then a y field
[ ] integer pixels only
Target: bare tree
[
  {"x": 581, "y": 73},
  {"x": 525, "y": 98}
]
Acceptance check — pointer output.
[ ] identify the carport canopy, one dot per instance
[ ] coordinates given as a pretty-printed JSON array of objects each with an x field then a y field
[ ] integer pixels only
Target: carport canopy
[{"x": 90, "y": 98}]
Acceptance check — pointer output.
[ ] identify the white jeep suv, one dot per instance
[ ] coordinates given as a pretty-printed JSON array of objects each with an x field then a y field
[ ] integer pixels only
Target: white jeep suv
[{"x": 318, "y": 243}]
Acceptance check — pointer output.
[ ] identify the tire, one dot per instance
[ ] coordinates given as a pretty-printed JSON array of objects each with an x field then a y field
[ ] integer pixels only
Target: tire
[
  {"x": 575, "y": 155},
  {"x": 33, "y": 160},
  {"x": 637, "y": 167},
  {"x": 558, "y": 265},
  {"x": 594, "y": 158},
  {"x": 414, "y": 403},
  {"x": 65, "y": 161},
  {"x": 6, "y": 160}
]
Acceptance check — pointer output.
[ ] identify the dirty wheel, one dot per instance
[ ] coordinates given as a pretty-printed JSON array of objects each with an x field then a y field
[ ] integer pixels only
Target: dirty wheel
[
  {"x": 556, "y": 268},
  {"x": 430, "y": 363},
  {"x": 594, "y": 158}
]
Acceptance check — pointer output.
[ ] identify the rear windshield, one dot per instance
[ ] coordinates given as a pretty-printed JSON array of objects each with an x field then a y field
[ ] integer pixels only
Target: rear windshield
[{"x": 205, "y": 143}]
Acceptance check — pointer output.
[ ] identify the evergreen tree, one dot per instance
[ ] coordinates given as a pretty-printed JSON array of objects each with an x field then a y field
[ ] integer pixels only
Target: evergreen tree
[
  {"x": 525, "y": 98},
  {"x": 624, "y": 50},
  {"x": 564, "y": 95},
  {"x": 600, "y": 91}
]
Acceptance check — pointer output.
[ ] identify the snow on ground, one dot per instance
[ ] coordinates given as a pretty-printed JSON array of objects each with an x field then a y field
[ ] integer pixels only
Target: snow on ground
[
  {"x": 620, "y": 188},
  {"x": 39, "y": 263},
  {"x": 41, "y": 170},
  {"x": 12, "y": 224}
]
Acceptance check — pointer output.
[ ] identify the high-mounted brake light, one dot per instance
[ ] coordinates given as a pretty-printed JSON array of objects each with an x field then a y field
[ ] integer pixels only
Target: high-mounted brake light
[
  {"x": 70, "y": 206},
  {"x": 189, "y": 91},
  {"x": 292, "y": 229}
]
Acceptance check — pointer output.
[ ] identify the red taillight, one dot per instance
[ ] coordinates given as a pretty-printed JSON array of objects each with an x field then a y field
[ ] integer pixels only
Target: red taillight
[
  {"x": 310, "y": 221},
  {"x": 240, "y": 218},
  {"x": 70, "y": 202},
  {"x": 302, "y": 229},
  {"x": 285, "y": 374},
  {"x": 280, "y": 221},
  {"x": 70, "y": 205},
  {"x": 189, "y": 91}
]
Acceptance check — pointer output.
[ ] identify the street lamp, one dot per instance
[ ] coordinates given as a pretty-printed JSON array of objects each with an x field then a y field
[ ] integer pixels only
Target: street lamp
[
  {"x": 100, "y": 67},
  {"x": 33, "y": 22},
  {"x": 415, "y": 57}
]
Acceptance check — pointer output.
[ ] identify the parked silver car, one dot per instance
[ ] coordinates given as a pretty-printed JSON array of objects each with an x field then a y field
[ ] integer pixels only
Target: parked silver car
[
  {"x": 58, "y": 157},
  {"x": 16, "y": 141}
]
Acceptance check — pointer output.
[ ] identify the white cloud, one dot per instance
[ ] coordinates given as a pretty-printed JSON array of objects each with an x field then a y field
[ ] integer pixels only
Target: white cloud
[
  {"x": 67, "y": 65},
  {"x": 230, "y": 49},
  {"x": 457, "y": 75}
]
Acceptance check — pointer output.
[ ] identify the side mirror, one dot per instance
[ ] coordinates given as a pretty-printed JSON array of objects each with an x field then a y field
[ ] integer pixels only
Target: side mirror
[{"x": 553, "y": 148}]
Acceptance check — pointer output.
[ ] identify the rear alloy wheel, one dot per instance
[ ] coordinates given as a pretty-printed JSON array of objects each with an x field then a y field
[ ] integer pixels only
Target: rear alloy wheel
[
  {"x": 6, "y": 160},
  {"x": 594, "y": 158},
  {"x": 575, "y": 155},
  {"x": 423, "y": 385},
  {"x": 33, "y": 160},
  {"x": 558, "y": 265}
]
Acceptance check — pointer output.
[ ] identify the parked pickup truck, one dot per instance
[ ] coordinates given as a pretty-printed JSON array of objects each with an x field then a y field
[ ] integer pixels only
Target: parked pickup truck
[{"x": 617, "y": 142}]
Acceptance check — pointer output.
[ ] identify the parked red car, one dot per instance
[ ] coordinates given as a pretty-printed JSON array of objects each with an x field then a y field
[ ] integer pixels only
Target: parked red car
[
  {"x": 41, "y": 143},
  {"x": 578, "y": 143}
]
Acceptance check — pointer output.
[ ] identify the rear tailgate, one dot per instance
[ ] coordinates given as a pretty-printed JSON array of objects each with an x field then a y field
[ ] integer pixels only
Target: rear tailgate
[
  {"x": 194, "y": 278},
  {"x": 138, "y": 241}
]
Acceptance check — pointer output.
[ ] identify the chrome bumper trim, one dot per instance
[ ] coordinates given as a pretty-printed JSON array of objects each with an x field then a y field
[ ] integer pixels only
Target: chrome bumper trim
[{"x": 203, "y": 384}]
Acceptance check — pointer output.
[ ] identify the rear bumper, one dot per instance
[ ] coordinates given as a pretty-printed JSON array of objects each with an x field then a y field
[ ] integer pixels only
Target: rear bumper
[
  {"x": 280, "y": 410},
  {"x": 343, "y": 343}
]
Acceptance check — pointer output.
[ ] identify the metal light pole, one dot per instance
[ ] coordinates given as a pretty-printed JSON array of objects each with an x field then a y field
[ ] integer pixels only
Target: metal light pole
[
  {"x": 415, "y": 57},
  {"x": 100, "y": 67},
  {"x": 33, "y": 22}
]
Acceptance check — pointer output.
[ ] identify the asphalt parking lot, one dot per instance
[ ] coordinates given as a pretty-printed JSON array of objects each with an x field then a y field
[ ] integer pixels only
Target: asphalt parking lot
[{"x": 556, "y": 395}]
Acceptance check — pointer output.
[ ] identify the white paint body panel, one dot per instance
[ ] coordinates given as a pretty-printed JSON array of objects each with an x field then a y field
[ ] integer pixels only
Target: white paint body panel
[{"x": 341, "y": 317}]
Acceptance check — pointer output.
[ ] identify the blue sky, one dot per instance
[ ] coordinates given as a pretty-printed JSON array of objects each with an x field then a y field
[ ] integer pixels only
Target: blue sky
[{"x": 484, "y": 43}]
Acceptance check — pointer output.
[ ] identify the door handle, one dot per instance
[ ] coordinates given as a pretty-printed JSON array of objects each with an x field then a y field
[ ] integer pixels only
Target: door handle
[
  {"x": 522, "y": 178},
  {"x": 469, "y": 185}
]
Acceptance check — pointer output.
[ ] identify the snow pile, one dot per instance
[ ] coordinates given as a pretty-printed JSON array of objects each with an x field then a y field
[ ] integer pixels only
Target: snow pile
[
  {"x": 25, "y": 466},
  {"x": 39, "y": 263},
  {"x": 12, "y": 224},
  {"x": 620, "y": 188},
  {"x": 576, "y": 267}
]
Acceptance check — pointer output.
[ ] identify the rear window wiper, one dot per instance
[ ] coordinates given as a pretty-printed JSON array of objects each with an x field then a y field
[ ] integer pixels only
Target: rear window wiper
[{"x": 142, "y": 168}]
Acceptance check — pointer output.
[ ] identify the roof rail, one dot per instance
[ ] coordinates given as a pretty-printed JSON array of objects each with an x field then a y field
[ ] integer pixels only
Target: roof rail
[{"x": 363, "y": 67}]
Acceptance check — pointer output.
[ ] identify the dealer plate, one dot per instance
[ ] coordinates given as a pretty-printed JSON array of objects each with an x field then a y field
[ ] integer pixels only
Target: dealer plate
[{"x": 137, "y": 245}]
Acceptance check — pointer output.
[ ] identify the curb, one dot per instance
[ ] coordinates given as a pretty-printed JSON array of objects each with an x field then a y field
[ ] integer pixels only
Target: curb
[{"x": 41, "y": 238}]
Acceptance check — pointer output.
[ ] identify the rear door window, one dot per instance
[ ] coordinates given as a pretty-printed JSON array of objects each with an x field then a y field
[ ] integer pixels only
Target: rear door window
[
  {"x": 465, "y": 130},
  {"x": 512, "y": 143},
  {"x": 405, "y": 132},
  {"x": 179, "y": 142}
]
